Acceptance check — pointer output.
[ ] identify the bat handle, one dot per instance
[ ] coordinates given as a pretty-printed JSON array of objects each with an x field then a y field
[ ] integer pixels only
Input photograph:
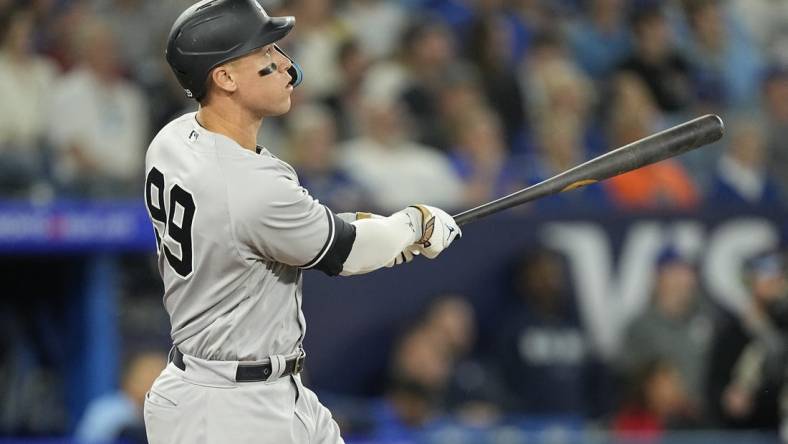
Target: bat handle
[
  {"x": 472, "y": 214},
  {"x": 461, "y": 218}
]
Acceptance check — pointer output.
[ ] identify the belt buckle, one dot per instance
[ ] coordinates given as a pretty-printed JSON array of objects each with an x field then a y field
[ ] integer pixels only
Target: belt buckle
[{"x": 299, "y": 362}]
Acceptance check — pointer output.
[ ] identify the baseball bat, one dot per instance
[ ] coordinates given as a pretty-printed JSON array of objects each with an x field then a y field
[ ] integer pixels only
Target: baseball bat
[{"x": 660, "y": 146}]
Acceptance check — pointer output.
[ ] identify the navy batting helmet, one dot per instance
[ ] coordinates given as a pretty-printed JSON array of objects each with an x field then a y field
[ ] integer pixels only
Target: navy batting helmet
[{"x": 212, "y": 32}]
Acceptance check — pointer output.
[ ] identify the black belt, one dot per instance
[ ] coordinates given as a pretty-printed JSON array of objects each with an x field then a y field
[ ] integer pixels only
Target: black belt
[{"x": 252, "y": 372}]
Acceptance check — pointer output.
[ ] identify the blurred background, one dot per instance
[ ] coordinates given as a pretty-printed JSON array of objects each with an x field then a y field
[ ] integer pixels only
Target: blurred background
[{"x": 653, "y": 306}]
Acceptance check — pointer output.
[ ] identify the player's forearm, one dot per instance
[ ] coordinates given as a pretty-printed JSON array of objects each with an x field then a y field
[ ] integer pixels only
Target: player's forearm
[{"x": 379, "y": 240}]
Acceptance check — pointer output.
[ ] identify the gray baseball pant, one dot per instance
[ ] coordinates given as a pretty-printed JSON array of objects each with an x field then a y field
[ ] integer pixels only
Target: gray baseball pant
[{"x": 204, "y": 405}]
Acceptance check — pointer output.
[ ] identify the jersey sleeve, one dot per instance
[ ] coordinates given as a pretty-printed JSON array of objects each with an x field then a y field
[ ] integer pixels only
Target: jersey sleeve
[{"x": 278, "y": 220}]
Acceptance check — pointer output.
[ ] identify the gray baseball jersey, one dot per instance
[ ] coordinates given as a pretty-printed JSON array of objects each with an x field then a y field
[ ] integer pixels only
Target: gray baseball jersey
[{"x": 235, "y": 229}]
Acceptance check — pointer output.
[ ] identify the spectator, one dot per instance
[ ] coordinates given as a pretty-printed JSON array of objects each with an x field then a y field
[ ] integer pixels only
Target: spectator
[
  {"x": 600, "y": 38},
  {"x": 748, "y": 398},
  {"x": 395, "y": 170},
  {"x": 314, "y": 155},
  {"x": 25, "y": 80},
  {"x": 676, "y": 327},
  {"x": 377, "y": 25},
  {"x": 428, "y": 58},
  {"x": 765, "y": 20},
  {"x": 419, "y": 375},
  {"x": 460, "y": 93},
  {"x": 56, "y": 26},
  {"x": 742, "y": 177},
  {"x": 149, "y": 22},
  {"x": 657, "y": 401},
  {"x": 559, "y": 148},
  {"x": 662, "y": 185},
  {"x": 433, "y": 374},
  {"x": 490, "y": 50},
  {"x": 543, "y": 355},
  {"x": 146, "y": 21},
  {"x": 119, "y": 415},
  {"x": 472, "y": 394},
  {"x": 555, "y": 85},
  {"x": 535, "y": 16},
  {"x": 725, "y": 63},
  {"x": 657, "y": 62},
  {"x": 99, "y": 122},
  {"x": 345, "y": 103},
  {"x": 452, "y": 320},
  {"x": 479, "y": 156},
  {"x": 558, "y": 88},
  {"x": 775, "y": 95},
  {"x": 315, "y": 43}
]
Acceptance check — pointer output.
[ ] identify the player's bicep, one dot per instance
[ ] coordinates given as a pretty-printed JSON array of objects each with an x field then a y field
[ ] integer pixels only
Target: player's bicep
[{"x": 285, "y": 224}]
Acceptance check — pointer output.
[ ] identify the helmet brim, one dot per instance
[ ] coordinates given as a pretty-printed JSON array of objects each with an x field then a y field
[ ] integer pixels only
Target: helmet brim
[{"x": 274, "y": 30}]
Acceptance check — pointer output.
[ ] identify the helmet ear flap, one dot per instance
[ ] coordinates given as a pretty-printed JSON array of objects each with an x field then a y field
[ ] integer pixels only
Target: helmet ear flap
[{"x": 295, "y": 71}]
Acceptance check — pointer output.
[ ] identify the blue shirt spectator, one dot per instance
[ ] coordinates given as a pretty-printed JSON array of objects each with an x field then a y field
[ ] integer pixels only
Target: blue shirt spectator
[
  {"x": 479, "y": 157},
  {"x": 726, "y": 65},
  {"x": 560, "y": 146},
  {"x": 600, "y": 40},
  {"x": 775, "y": 95},
  {"x": 107, "y": 417},
  {"x": 742, "y": 178},
  {"x": 729, "y": 189},
  {"x": 119, "y": 415},
  {"x": 544, "y": 357}
]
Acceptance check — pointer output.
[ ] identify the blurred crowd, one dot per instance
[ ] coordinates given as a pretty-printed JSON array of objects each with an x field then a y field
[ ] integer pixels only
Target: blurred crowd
[
  {"x": 450, "y": 102},
  {"x": 454, "y": 103},
  {"x": 685, "y": 362}
]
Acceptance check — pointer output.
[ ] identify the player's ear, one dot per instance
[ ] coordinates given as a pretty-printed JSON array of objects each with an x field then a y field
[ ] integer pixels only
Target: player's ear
[{"x": 223, "y": 77}]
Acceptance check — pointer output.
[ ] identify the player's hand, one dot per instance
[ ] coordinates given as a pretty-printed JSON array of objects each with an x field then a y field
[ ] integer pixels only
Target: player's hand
[{"x": 438, "y": 231}]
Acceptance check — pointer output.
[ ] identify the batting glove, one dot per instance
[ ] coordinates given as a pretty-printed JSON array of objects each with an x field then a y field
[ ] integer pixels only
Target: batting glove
[{"x": 438, "y": 231}]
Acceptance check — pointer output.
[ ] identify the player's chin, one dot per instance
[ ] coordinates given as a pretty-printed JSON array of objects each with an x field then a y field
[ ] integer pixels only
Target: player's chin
[
  {"x": 286, "y": 106},
  {"x": 280, "y": 108}
]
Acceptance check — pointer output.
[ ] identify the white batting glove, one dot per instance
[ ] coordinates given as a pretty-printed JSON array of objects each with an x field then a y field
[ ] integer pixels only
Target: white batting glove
[
  {"x": 405, "y": 256},
  {"x": 438, "y": 231}
]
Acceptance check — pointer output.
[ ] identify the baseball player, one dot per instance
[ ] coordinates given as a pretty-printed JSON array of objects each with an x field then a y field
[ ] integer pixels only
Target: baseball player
[{"x": 235, "y": 231}]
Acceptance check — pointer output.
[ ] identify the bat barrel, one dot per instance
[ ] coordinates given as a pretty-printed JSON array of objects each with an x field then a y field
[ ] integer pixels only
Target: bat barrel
[{"x": 663, "y": 145}]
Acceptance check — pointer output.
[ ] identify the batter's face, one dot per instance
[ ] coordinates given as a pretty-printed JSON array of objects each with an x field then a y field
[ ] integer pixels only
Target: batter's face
[{"x": 267, "y": 95}]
